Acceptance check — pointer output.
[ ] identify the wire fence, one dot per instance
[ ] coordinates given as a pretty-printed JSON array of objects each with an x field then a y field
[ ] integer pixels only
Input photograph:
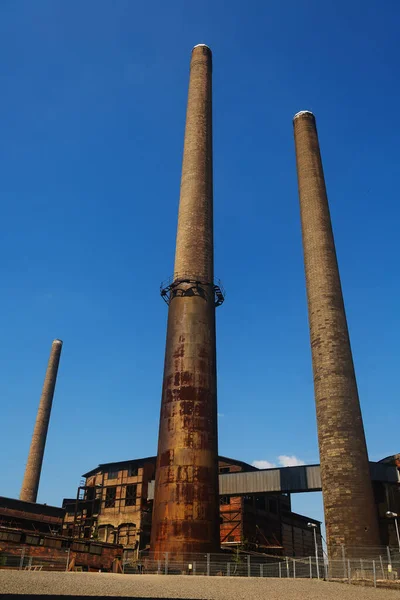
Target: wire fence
[
  {"x": 375, "y": 567},
  {"x": 24, "y": 558},
  {"x": 364, "y": 571},
  {"x": 239, "y": 565}
]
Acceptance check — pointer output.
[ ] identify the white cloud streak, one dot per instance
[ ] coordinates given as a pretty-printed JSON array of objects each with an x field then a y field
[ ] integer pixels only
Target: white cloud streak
[
  {"x": 263, "y": 464},
  {"x": 290, "y": 461},
  {"x": 284, "y": 460}
]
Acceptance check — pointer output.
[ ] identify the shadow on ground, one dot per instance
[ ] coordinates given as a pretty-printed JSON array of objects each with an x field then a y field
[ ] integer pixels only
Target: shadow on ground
[{"x": 68, "y": 597}]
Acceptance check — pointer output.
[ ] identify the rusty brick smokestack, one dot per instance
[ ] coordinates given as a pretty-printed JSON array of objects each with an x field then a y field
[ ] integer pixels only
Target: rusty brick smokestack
[
  {"x": 30, "y": 484},
  {"x": 350, "y": 512},
  {"x": 186, "y": 502}
]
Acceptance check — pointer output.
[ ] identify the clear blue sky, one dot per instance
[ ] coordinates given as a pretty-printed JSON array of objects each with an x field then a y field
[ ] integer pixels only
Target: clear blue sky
[{"x": 92, "y": 104}]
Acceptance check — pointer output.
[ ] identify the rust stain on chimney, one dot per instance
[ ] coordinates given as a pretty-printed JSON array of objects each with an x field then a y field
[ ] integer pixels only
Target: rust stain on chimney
[{"x": 186, "y": 501}]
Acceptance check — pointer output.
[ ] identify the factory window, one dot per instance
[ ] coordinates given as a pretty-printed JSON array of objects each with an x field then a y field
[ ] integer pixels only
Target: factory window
[
  {"x": 111, "y": 536},
  {"x": 113, "y": 474},
  {"x": 224, "y": 500},
  {"x": 127, "y": 534},
  {"x": 52, "y": 542},
  {"x": 273, "y": 506},
  {"x": 94, "y": 549},
  {"x": 224, "y": 470},
  {"x": 11, "y": 537},
  {"x": 33, "y": 539},
  {"x": 90, "y": 493},
  {"x": 130, "y": 495},
  {"x": 132, "y": 471},
  {"x": 80, "y": 547},
  {"x": 67, "y": 530},
  {"x": 111, "y": 493},
  {"x": 260, "y": 502},
  {"x": 102, "y": 533}
]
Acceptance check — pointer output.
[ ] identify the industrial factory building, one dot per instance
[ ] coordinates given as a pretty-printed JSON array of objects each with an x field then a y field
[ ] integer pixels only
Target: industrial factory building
[
  {"x": 31, "y": 533},
  {"x": 115, "y": 501}
]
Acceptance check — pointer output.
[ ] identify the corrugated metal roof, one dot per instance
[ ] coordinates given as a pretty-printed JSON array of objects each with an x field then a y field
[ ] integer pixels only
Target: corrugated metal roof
[
  {"x": 30, "y": 507},
  {"x": 119, "y": 464},
  {"x": 137, "y": 461}
]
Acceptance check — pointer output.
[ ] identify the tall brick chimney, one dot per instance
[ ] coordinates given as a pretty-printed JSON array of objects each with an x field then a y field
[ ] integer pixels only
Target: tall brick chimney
[
  {"x": 350, "y": 512},
  {"x": 30, "y": 484},
  {"x": 186, "y": 502}
]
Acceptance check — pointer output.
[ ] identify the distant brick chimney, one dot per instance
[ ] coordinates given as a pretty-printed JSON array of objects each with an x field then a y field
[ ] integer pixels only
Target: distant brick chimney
[{"x": 30, "y": 484}]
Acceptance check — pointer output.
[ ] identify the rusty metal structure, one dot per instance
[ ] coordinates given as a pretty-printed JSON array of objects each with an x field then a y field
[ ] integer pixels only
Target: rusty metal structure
[
  {"x": 350, "y": 512},
  {"x": 186, "y": 505},
  {"x": 30, "y": 484}
]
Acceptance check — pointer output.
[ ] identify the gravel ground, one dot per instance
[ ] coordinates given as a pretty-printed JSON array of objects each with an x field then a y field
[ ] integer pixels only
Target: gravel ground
[{"x": 180, "y": 586}]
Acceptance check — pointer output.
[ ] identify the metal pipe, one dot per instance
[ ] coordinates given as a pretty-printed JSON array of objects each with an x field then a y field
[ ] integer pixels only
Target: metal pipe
[
  {"x": 68, "y": 555},
  {"x": 316, "y": 550},
  {"x": 394, "y": 515},
  {"x": 388, "y": 555},
  {"x": 313, "y": 526},
  {"x": 344, "y": 560},
  {"x": 397, "y": 532},
  {"x": 382, "y": 569},
  {"x": 21, "y": 561},
  {"x": 166, "y": 564}
]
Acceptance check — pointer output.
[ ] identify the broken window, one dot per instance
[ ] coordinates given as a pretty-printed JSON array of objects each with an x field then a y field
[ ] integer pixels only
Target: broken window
[
  {"x": 224, "y": 500},
  {"x": 130, "y": 495},
  {"x": 111, "y": 493}
]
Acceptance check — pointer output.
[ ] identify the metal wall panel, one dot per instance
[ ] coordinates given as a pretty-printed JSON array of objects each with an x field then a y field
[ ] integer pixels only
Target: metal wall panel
[{"x": 286, "y": 479}]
